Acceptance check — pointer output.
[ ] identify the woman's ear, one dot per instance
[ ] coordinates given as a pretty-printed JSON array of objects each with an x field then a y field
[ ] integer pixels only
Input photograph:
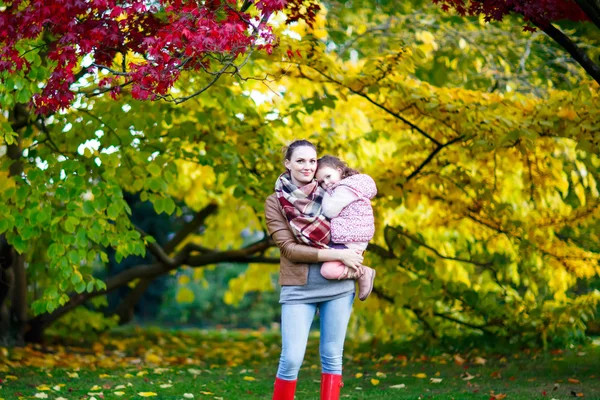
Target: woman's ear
[{"x": 286, "y": 163}]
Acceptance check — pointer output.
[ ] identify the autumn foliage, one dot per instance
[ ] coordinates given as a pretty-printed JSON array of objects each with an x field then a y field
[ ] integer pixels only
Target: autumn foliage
[
  {"x": 535, "y": 11},
  {"x": 154, "y": 41}
]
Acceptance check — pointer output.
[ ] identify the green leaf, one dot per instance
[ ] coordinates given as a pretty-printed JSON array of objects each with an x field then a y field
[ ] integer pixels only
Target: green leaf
[
  {"x": 19, "y": 244},
  {"x": 80, "y": 287},
  {"x": 3, "y": 225},
  {"x": 114, "y": 210},
  {"x": 88, "y": 207},
  {"x": 70, "y": 224},
  {"x": 169, "y": 205},
  {"x": 154, "y": 169},
  {"x": 74, "y": 257}
]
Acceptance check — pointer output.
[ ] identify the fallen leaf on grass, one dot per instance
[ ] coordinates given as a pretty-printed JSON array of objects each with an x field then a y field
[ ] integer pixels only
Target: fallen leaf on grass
[
  {"x": 41, "y": 395},
  {"x": 573, "y": 380},
  {"x": 459, "y": 360},
  {"x": 498, "y": 396},
  {"x": 435, "y": 380},
  {"x": 467, "y": 376},
  {"x": 188, "y": 395},
  {"x": 420, "y": 375},
  {"x": 147, "y": 394},
  {"x": 480, "y": 361},
  {"x": 577, "y": 394},
  {"x": 381, "y": 375},
  {"x": 358, "y": 375},
  {"x": 374, "y": 382},
  {"x": 399, "y": 386},
  {"x": 249, "y": 378}
]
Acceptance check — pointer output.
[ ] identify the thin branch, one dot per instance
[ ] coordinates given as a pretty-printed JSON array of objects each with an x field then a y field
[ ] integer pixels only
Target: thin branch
[
  {"x": 573, "y": 49},
  {"x": 438, "y": 148},
  {"x": 437, "y": 253},
  {"x": 369, "y": 99},
  {"x": 190, "y": 227}
]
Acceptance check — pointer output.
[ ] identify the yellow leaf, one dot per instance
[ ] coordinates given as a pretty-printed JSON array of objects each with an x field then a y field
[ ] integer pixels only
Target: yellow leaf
[
  {"x": 152, "y": 358},
  {"x": 381, "y": 375},
  {"x": 359, "y": 375},
  {"x": 420, "y": 375},
  {"x": 72, "y": 374},
  {"x": 11, "y": 377},
  {"x": 374, "y": 381},
  {"x": 119, "y": 393},
  {"x": 207, "y": 393},
  {"x": 142, "y": 373},
  {"x": 249, "y": 378},
  {"x": 127, "y": 376},
  {"x": 184, "y": 295},
  {"x": 102, "y": 376},
  {"x": 95, "y": 387},
  {"x": 147, "y": 394},
  {"x": 43, "y": 387}
]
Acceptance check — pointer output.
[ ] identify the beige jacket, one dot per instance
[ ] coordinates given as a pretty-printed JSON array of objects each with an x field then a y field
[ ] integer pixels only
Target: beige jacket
[{"x": 295, "y": 257}]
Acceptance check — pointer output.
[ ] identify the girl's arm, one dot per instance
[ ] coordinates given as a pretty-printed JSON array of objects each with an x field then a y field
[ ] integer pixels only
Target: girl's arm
[
  {"x": 300, "y": 253},
  {"x": 334, "y": 203}
]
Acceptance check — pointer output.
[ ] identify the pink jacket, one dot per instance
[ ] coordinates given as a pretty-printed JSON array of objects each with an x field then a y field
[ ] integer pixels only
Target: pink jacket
[{"x": 355, "y": 223}]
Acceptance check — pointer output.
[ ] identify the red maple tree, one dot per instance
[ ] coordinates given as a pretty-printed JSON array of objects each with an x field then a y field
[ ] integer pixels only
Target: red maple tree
[
  {"x": 79, "y": 37},
  {"x": 538, "y": 14}
]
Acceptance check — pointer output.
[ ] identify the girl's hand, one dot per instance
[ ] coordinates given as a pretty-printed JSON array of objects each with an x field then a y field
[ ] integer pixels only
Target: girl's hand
[{"x": 351, "y": 258}]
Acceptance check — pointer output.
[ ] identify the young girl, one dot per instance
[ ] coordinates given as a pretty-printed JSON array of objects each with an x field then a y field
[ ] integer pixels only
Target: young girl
[{"x": 348, "y": 204}]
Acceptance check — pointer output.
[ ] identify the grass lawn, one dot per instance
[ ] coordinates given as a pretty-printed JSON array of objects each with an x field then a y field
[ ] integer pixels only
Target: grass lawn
[{"x": 238, "y": 365}]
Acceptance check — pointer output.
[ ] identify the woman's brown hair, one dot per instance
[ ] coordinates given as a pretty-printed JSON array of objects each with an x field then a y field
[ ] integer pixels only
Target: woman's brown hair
[{"x": 334, "y": 162}]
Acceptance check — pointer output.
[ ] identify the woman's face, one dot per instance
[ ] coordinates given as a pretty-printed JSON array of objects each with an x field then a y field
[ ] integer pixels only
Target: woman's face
[{"x": 302, "y": 165}]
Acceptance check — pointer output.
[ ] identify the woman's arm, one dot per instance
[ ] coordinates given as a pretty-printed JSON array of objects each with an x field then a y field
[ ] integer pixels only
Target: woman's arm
[
  {"x": 337, "y": 201},
  {"x": 299, "y": 253}
]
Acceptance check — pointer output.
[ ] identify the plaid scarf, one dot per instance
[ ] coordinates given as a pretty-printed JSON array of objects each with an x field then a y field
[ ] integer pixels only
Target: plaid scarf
[{"x": 302, "y": 208}]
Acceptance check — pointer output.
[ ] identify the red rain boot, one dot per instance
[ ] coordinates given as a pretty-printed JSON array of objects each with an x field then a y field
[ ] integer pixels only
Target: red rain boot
[
  {"x": 284, "y": 390},
  {"x": 330, "y": 386}
]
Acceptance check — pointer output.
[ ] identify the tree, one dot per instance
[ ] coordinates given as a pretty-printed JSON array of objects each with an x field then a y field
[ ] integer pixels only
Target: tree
[
  {"x": 143, "y": 44},
  {"x": 540, "y": 14},
  {"x": 475, "y": 192},
  {"x": 476, "y": 184},
  {"x": 71, "y": 151}
]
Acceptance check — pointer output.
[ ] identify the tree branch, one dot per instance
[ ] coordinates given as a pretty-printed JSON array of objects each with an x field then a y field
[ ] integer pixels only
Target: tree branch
[
  {"x": 591, "y": 8},
  {"x": 151, "y": 271},
  {"x": 575, "y": 51},
  {"x": 379, "y": 293},
  {"x": 438, "y": 148},
  {"x": 437, "y": 253}
]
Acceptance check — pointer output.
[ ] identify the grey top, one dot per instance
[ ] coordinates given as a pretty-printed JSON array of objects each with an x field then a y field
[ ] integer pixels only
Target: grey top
[{"x": 317, "y": 289}]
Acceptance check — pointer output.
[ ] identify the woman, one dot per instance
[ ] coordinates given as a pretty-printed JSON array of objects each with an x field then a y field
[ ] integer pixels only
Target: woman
[{"x": 293, "y": 217}]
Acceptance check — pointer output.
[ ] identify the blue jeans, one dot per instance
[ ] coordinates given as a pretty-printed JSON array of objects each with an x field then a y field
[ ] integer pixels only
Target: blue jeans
[{"x": 296, "y": 320}]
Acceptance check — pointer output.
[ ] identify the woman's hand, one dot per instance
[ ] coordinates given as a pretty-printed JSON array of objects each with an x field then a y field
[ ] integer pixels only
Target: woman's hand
[{"x": 351, "y": 258}]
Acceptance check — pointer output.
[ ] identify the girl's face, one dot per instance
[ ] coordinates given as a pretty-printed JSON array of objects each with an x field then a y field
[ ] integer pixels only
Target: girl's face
[
  {"x": 302, "y": 165},
  {"x": 328, "y": 176}
]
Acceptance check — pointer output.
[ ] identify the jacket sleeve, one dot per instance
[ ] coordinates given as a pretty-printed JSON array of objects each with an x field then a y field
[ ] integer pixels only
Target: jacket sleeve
[
  {"x": 284, "y": 238},
  {"x": 339, "y": 199}
]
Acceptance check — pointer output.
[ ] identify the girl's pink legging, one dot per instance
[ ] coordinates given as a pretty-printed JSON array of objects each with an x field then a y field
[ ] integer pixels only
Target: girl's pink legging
[{"x": 332, "y": 269}]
